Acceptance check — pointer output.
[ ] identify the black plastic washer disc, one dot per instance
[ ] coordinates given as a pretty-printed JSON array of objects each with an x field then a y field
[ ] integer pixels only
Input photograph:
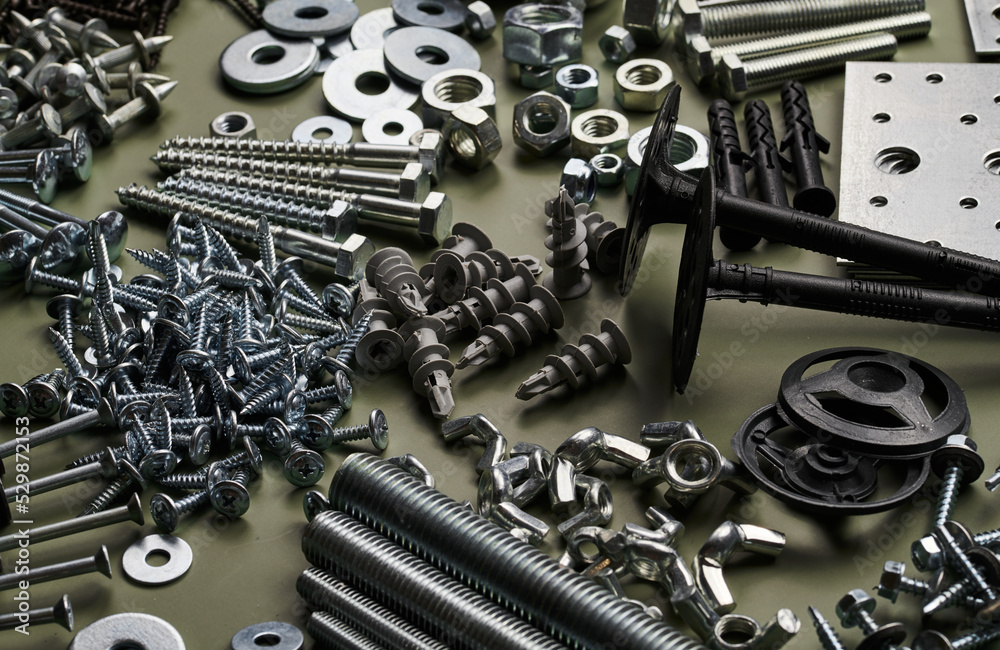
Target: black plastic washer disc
[
  {"x": 752, "y": 438},
  {"x": 873, "y": 402}
]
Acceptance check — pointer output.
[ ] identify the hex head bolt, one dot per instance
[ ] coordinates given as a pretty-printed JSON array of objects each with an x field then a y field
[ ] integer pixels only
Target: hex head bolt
[
  {"x": 568, "y": 242},
  {"x": 893, "y": 582},
  {"x": 730, "y": 164},
  {"x": 855, "y": 610},
  {"x": 132, "y": 511},
  {"x": 106, "y": 467},
  {"x": 148, "y": 101},
  {"x": 407, "y": 584},
  {"x": 61, "y": 613},
  {"x": 312, "y": 184},
  {"x": 96, "y": 563},
  {"x": 92, "y": 34},
  {"x": 574, "y": 362},
  {"x": 827, "y": 634},
  {"x": 768, "y": 162},
  {"x": 745, "y": 19},
  {"x": 347, "y": 259},
  {"x": 427, "y": 362},
  {"x": 140, "y": 49},
  {"x": 703, "y": 278},
  {"x": 738, "y": 78},
  {"x": 957, "y": 464},
  {"x": 524, "y": 323},
  {"x": 326, "y": 593},
  {"x": 103, "y": 414},
  {"x": 571, "y": 608},
  {"x": 429, "y": 152},
  {"x": 805, "y": 145}
]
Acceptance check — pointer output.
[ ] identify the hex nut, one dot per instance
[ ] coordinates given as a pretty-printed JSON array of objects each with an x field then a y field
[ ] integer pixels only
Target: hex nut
[
  {"x": 578, "y": 179},
  {"x": 608, "y": 169},
  {"x": 689, "y": 153},
  {"x": 648, "y": 20},
  {"x": 532, "y": 77},
  {"x": 617, "y": 44},
  {"x": 578, "y": 85},
  {"x": 233, "y": 124},
  {"x": 473, "y": 137},
  {"x": 541, "y": 124},
  {"x": 643, "y": 84},
  {"x": 599, "y": 131},
  {"x": 479, "y": 20},
  {"x": 542, "y": 34},
  {"x": 449, "y": 90}
]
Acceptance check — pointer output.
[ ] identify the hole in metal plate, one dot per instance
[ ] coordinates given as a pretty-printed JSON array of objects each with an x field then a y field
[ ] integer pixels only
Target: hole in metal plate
[{"x": 879, "y": 201}]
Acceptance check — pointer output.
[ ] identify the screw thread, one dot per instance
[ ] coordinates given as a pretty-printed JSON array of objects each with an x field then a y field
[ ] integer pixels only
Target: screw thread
[
  {"x": 67, "y": 326},
  {"x": 979, "y": 584},
  {"x": 265, "y": 244},
  {"x": 60, "y": 282},
  {"x": 912, "y": 586},
  {"x": 949, "y": 597},
  {"x": 115, "y": 18},
  {"x": 94, "y": 457},
  {"x": 976, "y": 639},
  {"x": 947, "y": 497},
  {"x": 333, "y": 414},
  {"x": 771, "y": 70},
  {"x": 987, "y": 537},
  {"x": 828, "y": 637},
  {"x": 150, "y": 200},
  {"x": 219, "y": 388},
  {"x": 265, "y": 149},
  {"x": 127, "y": 296},
  {"x": 285, "y": 213},
  {"x": 324, "y": 592},
  {"x": 99, "y": 330},
  {"x": 444, "y": 533},
  {"x": 305, "y": 291},
  {"x": 261, "y": 399},
  {"x": 350, "y": 434},
  {"x": 192, "y": 502},
  {"x": 187, "y": 481},
  {"x": 332, "y": 632},
  {"x": 163, "y": 432},
  {"x": 65, "y": 353},
  {"x": 305, "y": 192},
  {"x": 332, "y": 340},
  {"x": 320, "y": 325},
  {"x": 145, "y": 437},
  {"x": 784, "y": 16},
  {"x": 346, "y": 352},
  {"x": 205, "y": 314},
  {"x": 190, "y": 422},
  {"x": 305, "y": 306},
  {"x": 107, "y": 496}
]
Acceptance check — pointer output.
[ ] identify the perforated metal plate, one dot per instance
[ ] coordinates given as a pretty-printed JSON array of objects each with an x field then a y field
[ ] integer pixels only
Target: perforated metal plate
[
  {"x": 984, "y": 23},
  {"x": 921, "y": 152}
]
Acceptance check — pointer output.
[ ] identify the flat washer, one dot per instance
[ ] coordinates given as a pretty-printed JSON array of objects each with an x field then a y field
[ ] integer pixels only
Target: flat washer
[
  {"x": 370, "y": 30},
  {"x": 340, "y": 130},
  {"x": 404, "y": 48},
  {"x": 374, "y": 128},
  {"x": 305, "y": 18},
  {"x": 337, "y": 45},
  {"x": 273, "y": 634},
  {"x": 340, "y": 86},
  {"x": 128, "y": 630},
  {"x": 178, "y": 551},
  {"x": 442, "y": 14},
  {"x": 262, "y": 64}
]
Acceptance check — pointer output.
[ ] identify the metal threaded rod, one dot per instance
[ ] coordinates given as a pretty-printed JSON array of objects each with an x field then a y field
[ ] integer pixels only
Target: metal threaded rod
[
  {"x": 784, "y": 16},
  {"x": 325, "y": 592},
  {"x": 332, "y": 632},
  {"x": 572, "y": 608},
  {"x": 395, "y": 577}
]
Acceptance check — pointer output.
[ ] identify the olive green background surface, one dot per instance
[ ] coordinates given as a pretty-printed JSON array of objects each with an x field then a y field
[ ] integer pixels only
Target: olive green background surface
[{"x": 244, "y": 571}]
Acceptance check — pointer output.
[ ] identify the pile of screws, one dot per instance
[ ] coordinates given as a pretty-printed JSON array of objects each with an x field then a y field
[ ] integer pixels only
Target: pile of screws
[
  {"x": 61, "y": 91},
  {"x": 215, "y": 355}
]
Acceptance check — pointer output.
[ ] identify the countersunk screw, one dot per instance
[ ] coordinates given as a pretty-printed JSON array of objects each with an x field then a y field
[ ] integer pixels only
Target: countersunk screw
[
  {"x": 99, "y": 562},
  {"x": 957, "y": 464},
  {"x": 61, "y": 612},
  {"x": 737, "y": 77},
  {"x": 855, "y": 610},
  {"x": 132, "y": 511},
  {"x": 827, "y": 634}
]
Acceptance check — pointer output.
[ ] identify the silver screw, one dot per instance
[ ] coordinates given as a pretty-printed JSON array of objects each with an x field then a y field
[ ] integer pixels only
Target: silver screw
[
  {"x": 746, "y": 18},
  {"x": 348, "y": 259},
  {"x": 106, "y": 467},
  {"x": 132, "y": 511},
  {"x": 61, "y": 613},
  {"x": 980, "y": 586},
  {"x": 148, "y": 101},
  {"x": 167, "y": 513},
  {"x": 99, "y": 563},
  {"x": 346, "y": 353},
  {"x": 103, "y": 414},
  {"x": 827, "y": 634},
  {"x": 855, "y": 610},
  {"x": 701, "y": 57},
  {"x": 377, "y": 430},
  {"x": 957, "y": 463},
  {"x": 934, "y": 640},
  {"x": 315, "y": 182},
  {"x": 429, "y": 152},
  {"x": 737, "y": 78}
]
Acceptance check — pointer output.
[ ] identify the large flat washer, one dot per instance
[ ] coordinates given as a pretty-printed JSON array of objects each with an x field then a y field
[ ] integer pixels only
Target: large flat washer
[
  {"x": 137, "y": 568},
  {"x": 307, "y": 18},
  {"x": 273, "y": 634},
  {"x": 370, "y": 30},
  {"x": 129, "y": 630},
  {"x": 340, "y": 86},
  {"x": 261, "y": 63},
  {"x": 442, "y": 14},
  {"x": 403, "y": 49}
]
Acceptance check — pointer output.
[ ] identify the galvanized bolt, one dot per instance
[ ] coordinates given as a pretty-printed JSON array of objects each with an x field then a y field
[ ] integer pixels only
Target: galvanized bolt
[{"x": 963, "y": 564}]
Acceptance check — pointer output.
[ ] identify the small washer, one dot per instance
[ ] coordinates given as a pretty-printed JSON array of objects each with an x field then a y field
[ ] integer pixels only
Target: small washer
[
  {"x": 442, "y": 14},
  {"x": 274, "y": 634},
  {"x": 340, "y": 130},
  {"x": 381, "y": 127},
  {"x": 179, "y": 559},
  {"x": 129, "y": 630},
  {"x": 340, "y": 86},
  {"x": 406, "y": 48},
  {"x": 370, "y": 30},
  {"x": 261, "y": 63},
  {"x": 305, "y": 18}
]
